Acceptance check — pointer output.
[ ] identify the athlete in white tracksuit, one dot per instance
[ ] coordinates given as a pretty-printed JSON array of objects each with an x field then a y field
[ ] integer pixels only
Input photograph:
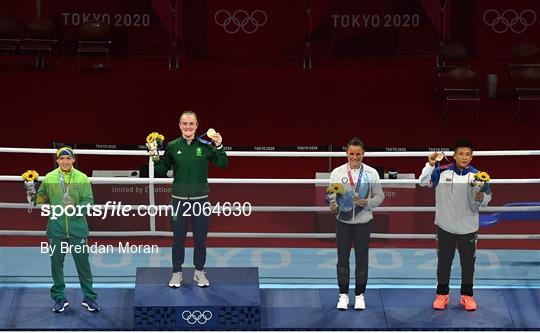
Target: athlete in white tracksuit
[
  {"x": 456, "y": 214},
  {"x": 352, "y": 210}
]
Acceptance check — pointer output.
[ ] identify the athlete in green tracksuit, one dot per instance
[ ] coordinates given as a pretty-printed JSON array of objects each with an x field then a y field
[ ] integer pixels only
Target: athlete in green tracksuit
[
  {"x": 63, "y": 187},
  {"x": 189, "y": 157}
]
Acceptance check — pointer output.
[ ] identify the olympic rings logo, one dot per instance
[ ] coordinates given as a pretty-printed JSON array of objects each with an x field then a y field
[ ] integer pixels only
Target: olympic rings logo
[
  {"x": 240, "y": 19},
  {"x": 509, "y": 20},
  {"x": 197, "y": 317}
]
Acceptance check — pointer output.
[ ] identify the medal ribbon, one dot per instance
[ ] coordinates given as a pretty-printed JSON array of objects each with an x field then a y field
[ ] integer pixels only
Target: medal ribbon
[
  {"x": 65, "y": 188},
  {"x": 203, "y": 141},
  {"x": 351, "y": 180}
]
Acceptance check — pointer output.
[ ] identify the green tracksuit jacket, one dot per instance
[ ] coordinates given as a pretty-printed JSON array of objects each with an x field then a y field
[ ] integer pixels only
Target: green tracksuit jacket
[
  {"x": 190, "y": 166},
  {"x": 80, "y": 192}
]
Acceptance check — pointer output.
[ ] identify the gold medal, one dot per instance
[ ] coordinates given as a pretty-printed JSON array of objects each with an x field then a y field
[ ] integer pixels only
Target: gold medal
[{"x": 211, "y": 132}]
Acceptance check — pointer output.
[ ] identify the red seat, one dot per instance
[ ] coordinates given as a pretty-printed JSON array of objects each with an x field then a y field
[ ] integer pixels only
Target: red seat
[
  {"x": 461, "y": 84},
  {"x": 527, "y": 87},
  {"x": 39, "y": 40},
  {"x": 95, "y": 39},
  {"x": 9, "y": 35}
]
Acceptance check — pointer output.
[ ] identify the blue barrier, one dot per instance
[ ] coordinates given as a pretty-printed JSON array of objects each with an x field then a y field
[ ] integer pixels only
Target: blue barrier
[{"x": 487, "y": 220}]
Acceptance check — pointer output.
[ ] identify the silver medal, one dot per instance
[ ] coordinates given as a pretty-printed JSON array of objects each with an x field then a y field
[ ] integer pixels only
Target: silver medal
[{"x": 66, "y": 198}]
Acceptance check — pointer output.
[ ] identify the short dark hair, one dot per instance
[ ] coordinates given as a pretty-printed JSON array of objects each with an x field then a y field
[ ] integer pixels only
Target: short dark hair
[
  {"x": 463, "y": 143},
  {"x": 356, "y": 142}
]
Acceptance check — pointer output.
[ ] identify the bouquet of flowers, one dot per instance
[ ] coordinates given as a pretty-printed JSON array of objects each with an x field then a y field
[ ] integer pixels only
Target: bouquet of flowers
[
  {"x": 481, "y": 178},
  {"x": 332, "y": 192},
  {"x": 335, "y": 188},
  {"x": 30, "y": 182},
  {"x": 154, "y": 143}
]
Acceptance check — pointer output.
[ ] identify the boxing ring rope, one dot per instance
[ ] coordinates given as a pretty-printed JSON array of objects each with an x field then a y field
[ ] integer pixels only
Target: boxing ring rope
[
  {"x": 272, "y": 153},
  {"x": 300, "y": 209},
  {"x": 161, "y": 181},
  {"x": 291, "y": 209},
  {"x": 262, "y": 235},
  {"x": 151, "y": 181}
]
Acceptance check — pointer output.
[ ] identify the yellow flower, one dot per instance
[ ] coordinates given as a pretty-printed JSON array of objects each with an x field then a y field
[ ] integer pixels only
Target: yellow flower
[
  {"x": 335, "y": 188},
  {"x": 155, "y": 136},
  {"x": 482, "y": 176},
  {"x": 30, "y": 175},
  {"x": 150, "y": 137}
]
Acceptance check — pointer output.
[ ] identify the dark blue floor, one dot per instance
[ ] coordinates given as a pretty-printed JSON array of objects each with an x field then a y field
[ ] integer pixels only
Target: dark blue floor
[
  {"x": 316, "y": 309},
  {"x": 30, "y": 308},
  {"x": 387, "y": 309},
  {"x": 410, "y": 308}
]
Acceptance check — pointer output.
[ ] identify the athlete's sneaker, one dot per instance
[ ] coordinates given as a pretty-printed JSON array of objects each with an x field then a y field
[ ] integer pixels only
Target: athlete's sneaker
[
  {"x": 200, "y": 278},
  {"x": 441, "y": 302},
  {"x": 176, "y": 280},
  {"x": 60, "y": 305},
  {"x": 90, "y": 305},
  {"x": 468, "y": 303},
  {"x": 343, "y": 302},
  {"x": 360, "y": 302}
]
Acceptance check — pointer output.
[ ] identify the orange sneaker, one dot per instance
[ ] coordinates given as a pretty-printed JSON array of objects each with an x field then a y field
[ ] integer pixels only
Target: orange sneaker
[
  {"x": 441, "y": 302},
  {"x": 468, "y": 303}
]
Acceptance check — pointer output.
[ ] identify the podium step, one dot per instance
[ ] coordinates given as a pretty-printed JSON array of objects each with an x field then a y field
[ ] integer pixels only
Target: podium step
[{"x": 232, "y": 301}]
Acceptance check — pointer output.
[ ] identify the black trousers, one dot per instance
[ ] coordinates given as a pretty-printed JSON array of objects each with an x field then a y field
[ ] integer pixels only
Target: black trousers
[
  {"x": 179, "y": 225},
  {"x": 357, "y": 235},
  {"x": 446, "y": 248}
]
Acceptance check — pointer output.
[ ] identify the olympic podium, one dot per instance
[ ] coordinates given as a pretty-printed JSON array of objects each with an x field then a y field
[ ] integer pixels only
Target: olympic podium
[{"x": 232, "y": 302}]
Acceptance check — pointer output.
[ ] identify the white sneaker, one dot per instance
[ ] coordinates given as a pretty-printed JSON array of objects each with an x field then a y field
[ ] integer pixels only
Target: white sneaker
[
  {"x": 359, "y": 302},
  {"x": 343, "y": 302},
  {"x": 176, "y": 280},
  {"x": 200, "y": 278}
]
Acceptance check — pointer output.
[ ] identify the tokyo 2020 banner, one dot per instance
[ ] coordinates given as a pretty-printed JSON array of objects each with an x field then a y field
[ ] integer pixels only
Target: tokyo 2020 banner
[
  {"x": 331, "y": 26},
  {"x": 284, "y": 27},
  {"x": 137, "y": 26}
]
